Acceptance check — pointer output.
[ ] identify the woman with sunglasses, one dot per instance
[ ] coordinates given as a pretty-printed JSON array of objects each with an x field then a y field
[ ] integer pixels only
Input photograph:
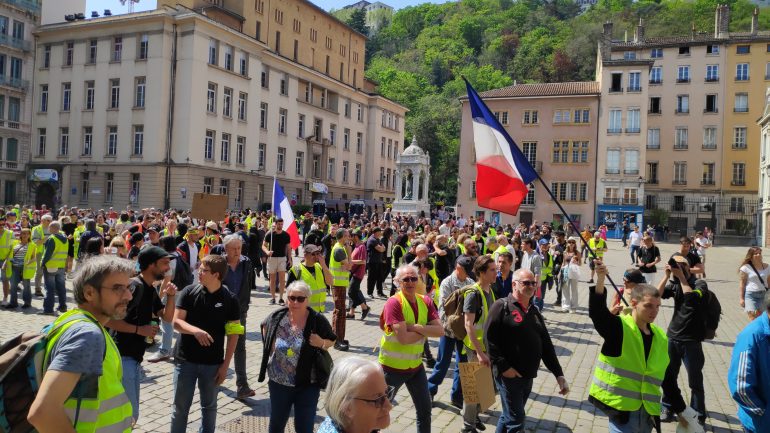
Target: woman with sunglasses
[
  {"x": 357, "y": 398},
  {"x": 292, "y": 337}
]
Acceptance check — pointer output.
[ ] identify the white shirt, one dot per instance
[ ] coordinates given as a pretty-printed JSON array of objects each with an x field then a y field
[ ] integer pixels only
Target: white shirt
[
  {"x": 193, "y": 255},
  {"x": 444, "y": 229},
  {"x": 635, "y": 238},
  {"x": 701, "y": 244},
  {"x": 752, "y": 282}
]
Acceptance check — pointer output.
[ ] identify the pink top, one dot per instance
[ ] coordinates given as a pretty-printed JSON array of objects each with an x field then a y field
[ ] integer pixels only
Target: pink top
[{"x": 359, "y": 253}]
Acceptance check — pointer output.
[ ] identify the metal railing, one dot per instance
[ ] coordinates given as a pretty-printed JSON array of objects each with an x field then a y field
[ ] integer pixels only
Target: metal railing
[
  {"x": 12, "y": 42},
  {"x": 30, "y": 5},
  {"x": 14, "y": 82}
]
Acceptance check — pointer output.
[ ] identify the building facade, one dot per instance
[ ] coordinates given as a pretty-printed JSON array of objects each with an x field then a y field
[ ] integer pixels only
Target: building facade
[
  {"x": 763, "y": 234},
  {"x": 18, "y": 21},
  {"x": 148, "y": 108},
  {"x": 555, "y": 126}
]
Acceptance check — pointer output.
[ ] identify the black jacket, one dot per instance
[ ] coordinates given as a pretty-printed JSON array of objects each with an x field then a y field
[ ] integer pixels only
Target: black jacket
[
  {"x": 316, "y": 323},
  {"x": 183, "y": 276},
  {"x": 247, "y": 283}
]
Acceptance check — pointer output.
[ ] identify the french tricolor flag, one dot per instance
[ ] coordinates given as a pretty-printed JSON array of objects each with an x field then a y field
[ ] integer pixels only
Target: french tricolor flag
[
  {"x": 282, "y": 209},
  {"x": 502, "y": 171}
]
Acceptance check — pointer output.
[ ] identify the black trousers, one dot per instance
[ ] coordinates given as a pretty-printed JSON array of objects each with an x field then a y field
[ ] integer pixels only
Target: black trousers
[{"x": 374, "y": 277}]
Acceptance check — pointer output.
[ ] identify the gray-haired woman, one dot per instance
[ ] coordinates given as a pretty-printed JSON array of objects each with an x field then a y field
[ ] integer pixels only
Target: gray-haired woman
[
  {"x": 292, "y": 337},
  {"x": 357, "y": 398}
]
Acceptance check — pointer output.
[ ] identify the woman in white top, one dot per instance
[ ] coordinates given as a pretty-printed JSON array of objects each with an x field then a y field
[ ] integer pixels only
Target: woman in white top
[{"x": 754, "y": 274}]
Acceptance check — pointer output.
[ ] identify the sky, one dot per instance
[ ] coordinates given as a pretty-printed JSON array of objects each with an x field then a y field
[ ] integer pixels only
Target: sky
[{"x": 117, "y": 8}]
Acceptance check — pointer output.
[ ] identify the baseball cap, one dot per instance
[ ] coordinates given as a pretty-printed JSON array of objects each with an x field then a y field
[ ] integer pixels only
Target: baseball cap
[
  {"x": 212, "y": 225},
  {"x": 543, "y": 242},
  {"x": 467, "y": 263},
  {"x": 634, "y": 276},
  {"x": 154, "y": 228},
  {"x": 151, "y": 255},
  {"x": 311, "y": 249}
]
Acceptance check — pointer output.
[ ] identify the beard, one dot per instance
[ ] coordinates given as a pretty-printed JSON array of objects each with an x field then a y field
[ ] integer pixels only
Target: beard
[
  {"x": 119, "y": 312},
  {"x": 159, "y": 276}
]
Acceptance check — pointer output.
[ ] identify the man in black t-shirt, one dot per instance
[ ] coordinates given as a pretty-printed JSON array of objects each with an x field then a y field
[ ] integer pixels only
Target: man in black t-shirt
[
  {"x": 375, "y": 267},
  {"x": 205, "y": 315},
  {"x": 277, "y": 248},
  {"x": 144, "y": 308}
]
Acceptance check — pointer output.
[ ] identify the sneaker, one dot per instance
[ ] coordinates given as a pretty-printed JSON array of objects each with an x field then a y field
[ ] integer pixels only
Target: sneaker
[
  {"x": 39, "y": 293},
  {"x": 160, "y": 356},
  {"x": 25, "y": 306},
  {"x": 272, "y": 301},
  {"x": 342, "y": 346},
  {"x": 382, "y": 295},
  {"x": 365, "y": 313},
  {"x": 245, "y": 392},
  {"x": 10, "y": 306},
  {"x": 480, "y": 425},
  {"x": 281, "y": 301},
  {"x": 62, "y": 309},
  {"x": 666, "y": 415},
  {"x": 565, "y": 310}
]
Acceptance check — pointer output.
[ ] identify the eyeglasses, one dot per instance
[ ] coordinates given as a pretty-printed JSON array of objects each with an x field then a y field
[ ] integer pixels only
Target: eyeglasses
[
  {"x": 119, "y": 290},
  {"x": 379, "y": 402},
  {"x": 409, "y": 279},
  {"x": 527, "y": 283},
  {"x": 298, "y": 299}
]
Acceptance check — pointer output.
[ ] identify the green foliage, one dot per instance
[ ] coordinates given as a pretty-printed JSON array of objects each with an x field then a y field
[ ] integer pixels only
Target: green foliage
[
  {"x": 419, "y": 54},
  {"x": 357, "y": 21}
]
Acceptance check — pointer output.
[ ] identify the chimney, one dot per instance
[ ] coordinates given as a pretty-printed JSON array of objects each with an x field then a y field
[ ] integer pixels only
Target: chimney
[
  {"x": 608, "y": 30},
  {"x": 755, "y": 21},
  {"x": 639, "y": 35},
  {"x": 692, "y": 30},
  {"x": 722, "y": 21}
]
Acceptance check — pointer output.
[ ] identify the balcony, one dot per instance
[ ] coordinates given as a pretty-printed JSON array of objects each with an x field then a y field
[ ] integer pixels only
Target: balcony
[
  {"x": 611, "y": 200},
  {"x": 19, "y": 44},
  {"x": 653, "y": 181},
  {"x": 612, "y": 171},
  {"x": 654, "y": 81},
  {"x": 30, "y": 5},
  {"x": 631, "y": 201},
  {"x": 741, "y": 110},
  {"x": 14, "y": 82},
  {"x": 682, "y": 80},
  {"x": 11, "y": 124},
  {"x": 739, "y": 146},
  {"x": 707, "y": 182},
  {"x": 634, "y": 172},
  {"x": 658, "y": 111},
  {"x": 632, "y": 130},
  {"x": 738, "y": 182},
  {"x": 653, "y": 146},
  {"x": 634, "y": 89},
  {"x": 680, "y": 146},
  {"x": 682, "y": 111},
  {"x": 712, "y": 79},
  {"x": 11, "y": 165},
  {"x": 710, "y": 111},
  {"x": 679, "y": 182},
  {"x": 614, "y": 130}
]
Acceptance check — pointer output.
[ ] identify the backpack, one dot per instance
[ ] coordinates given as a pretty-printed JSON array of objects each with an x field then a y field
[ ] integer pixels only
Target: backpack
[
  {"x": 22, "y": 360},
  {"x": 454, "y": 325},
  {"x": 712, "y": 315}
]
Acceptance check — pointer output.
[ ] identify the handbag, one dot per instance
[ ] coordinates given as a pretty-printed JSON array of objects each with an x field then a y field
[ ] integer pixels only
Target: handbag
[
  {"x": 758, "y": 276},
  {"x": 322, "y": 362}
]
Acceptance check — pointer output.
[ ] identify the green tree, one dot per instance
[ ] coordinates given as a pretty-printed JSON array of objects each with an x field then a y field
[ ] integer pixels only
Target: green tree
[{"x": 357, "y": 21}]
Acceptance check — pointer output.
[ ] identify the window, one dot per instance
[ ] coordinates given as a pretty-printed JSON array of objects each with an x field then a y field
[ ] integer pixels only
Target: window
[
  {"x": 684, "y": 51},
  {"x": 263, "y": 115},
  {"x": 709, "y": 137},
  {"x": 299, "y": 163},
  {"x": 613, "y": 161},
  {"x": 213, "y": 51},
  {"x": 652, "y": 173},
  {"x": 112, "y": 141},
  {"x": 634, "y": 82},
  {"x": 90, "y": 95},
  {"x": 135, "y": 182},
  {"x": 282, "y": 114},
  {"x": 630, "y": 196},
  {"x": 317, "y": 128},
  {"x": 92, "y": 44},
  {"x": 680, "y": 173},
  {"x": 583, "y": 151},
  {"x": 529, "y": 199},
  {"x": 656, "y": 75},
  {"x": 742, "y": 72},
  {"x": 617, "y": 82},
  {"x": 683, "y": 74},
  {"x": 265, "y": 78},
  {"x": 736, "y": 204},
  {"x": 144, "y": 47},
  {"x": 284, "y": 86},
  {"x": 240, "y": 150},
  {"x": 358, "y": 174},
  {"x": 767, "y": 71},
  {"x": 324, "y": 94},
  {"x": 739, "y": 137},
  {"x": 682, "y": 104},
  {"x": 333, "y": 134},
  {"x": 712, "y": 49},
  {"x": 140, "y": 92},
  {"x": 64, "y": 141},
  {"x": 655, "y": 105},
  {"x": 301, "y": 126},
  {"x": 503, "y": 119},
  {"x": 615, "y": 126},
  {"x": 360, "y": 113},
  {"x": 560, "y": 152},
  {"x": 208, "y": 184},
  {"x": 346, "y": 139},
  {"x": 330, "y": 168},
  {"x": 239, "y": 194},
  {"x": 529, "y": 149},
  {"x": 653, "y": 138},
  {"x": 115, "y": 93},
  {"x": 224, "y": 150},
  {"x": 109, "y": 187},
  {"x": 316, "y": 166},
  {"x": 680, "y": 141},
  {"x": 629, "y": 55},
  {"x": 678, "y": 203},
  {"x": 41, "y": 141},
  {"x": 743, "y": 49},
  {"x": 244, "y": 64},
  {"x": 68, "y": 53},
  {"x": 382, "y": 147},
  {"x": 88, "y": 140},
  {"x": 44, "y": 98},
  {"x": 281, "y": 160},
  {"x": 739, "y": 174},
  {"x": 632, "y": 162},
  {"x": 66, "y": 96},
  {"x": 581, "y": 115},
  {"x": 632, "y": 121},
  {"x": 14, "y": 111},
  {"x": 46, "y": 56},
  {"x": 84, "y": 178},
  {"x": 117, "y": 49},
  {"x": 261, "y": 156},
  {"x": 208, "y": 145},
  {"x": 530, "y": 117},
  {"x": 345, "y": 169},
  {"x": 138, "y": 140},
  {"x": 656, "y": 53},
  {"x": 227, "y": 102},
  {"x": 228, "y": 57},
  {"x": 561, "y": 116},
  {"x": 712, "y": 73},
  {"x": 708, "y": 174},
  {"x": 359, "y": 142},
  {"x": 741, "y": 103},
  {"x": 711, "y": 104},
  {"x": 242, "y": 99}
]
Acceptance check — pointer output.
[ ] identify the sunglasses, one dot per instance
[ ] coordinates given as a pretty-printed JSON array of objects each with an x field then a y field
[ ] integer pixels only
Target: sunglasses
[
  {"x": 527, "y": 283},
  {"x": 379, "y": 402},
  {"x": 299, "y": 299},
  {"x": 409, "y": 279}
]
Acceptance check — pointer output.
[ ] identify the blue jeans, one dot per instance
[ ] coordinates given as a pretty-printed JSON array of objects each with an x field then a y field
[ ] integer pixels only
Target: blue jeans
[
  {"x": 186, "y": 374},
  {"x": 417, "y": 385},
  {"x": 168, "y": 336},
  {"x": 691, "y": 353},
  {"x": 446, "y": 347},
  {"x": 513, "y": 396},
  {"x": 638, "y": 422},
  {"x": 305, "y": 402},
  {"x": 54, "y": 287},
  {"x": 16, "y": 278},
  {"x": 132, "y": 375},
  {"x": 634, "y": 253}
]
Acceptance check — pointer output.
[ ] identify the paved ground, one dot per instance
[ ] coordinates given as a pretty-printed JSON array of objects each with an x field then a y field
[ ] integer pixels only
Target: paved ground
[{"x": 576, "y": 341}]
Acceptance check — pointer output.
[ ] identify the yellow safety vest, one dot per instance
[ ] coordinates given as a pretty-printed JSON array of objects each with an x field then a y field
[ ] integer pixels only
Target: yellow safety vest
[
  {"x": 628, "y": 382},
  {"x": 76, "y": 238},
  {"x": 478, "y": 327},
  {"x": 30, "y": 265},
  {"x": 6, "y": 241},
  {"x": 59, "y": 258},
  {"x": 393, "y": 263},
  {"x": 547, "y": 269},
  {"x": 316, "y": 282},
  {"x": 404, "y": 356},
  {"x": 340, "y": 275},
  {"x": 596, "y": 245},
  {"x": 110, "y": 410}
]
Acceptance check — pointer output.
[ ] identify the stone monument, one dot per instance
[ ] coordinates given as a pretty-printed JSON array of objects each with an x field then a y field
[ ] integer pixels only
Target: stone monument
[{"x": 412, "y": 180}]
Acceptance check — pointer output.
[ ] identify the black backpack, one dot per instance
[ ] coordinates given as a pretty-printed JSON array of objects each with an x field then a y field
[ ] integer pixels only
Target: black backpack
[{"x": 712, "y": 313}]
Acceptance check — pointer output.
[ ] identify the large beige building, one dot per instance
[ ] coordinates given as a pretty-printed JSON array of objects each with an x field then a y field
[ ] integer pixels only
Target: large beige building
[
  {"x": 555, "y": 126},
  {"x": 18, "y": 20},
  {"x": 149, "y": 108}
]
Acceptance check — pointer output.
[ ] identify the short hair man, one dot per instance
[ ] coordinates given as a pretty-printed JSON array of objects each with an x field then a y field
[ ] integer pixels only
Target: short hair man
[
  {"x": 277, "y": 248},
  {"x": 54, "y": 263}
]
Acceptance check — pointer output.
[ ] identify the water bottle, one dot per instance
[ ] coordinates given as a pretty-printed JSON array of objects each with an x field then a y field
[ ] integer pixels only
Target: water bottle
[{"x": 150, "y": 340}]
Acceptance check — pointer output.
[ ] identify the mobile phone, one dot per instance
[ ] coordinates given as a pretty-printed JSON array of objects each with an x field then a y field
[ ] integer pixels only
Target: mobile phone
[
  {"x": 113, "y": 250},
  {"x": 673, "y": 263}
]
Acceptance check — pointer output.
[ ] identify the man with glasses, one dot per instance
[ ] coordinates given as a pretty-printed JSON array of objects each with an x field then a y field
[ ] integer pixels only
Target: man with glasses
[
  {"x": 141, "y": 321},
  {"x": 408, "y": 320},
  {"x": 205, "y": 317},
  {"x": 517, "y": 339},
  {"x": 314, "y": 272}
]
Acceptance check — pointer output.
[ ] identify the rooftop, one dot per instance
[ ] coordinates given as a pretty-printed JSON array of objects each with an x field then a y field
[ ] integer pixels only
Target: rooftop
[{"x": 575, "y": 88}]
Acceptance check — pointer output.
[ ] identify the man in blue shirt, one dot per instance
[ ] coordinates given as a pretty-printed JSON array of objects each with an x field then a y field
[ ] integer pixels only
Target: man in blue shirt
[{"x": 504, "y": 282}]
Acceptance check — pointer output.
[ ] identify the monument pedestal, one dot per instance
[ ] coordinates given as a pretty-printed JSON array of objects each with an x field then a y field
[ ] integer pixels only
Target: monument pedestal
[{"x": 412, "y": 180}]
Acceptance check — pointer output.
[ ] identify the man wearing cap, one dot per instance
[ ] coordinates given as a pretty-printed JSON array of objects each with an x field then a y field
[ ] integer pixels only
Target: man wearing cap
[
  {"x": 189, "y": 250},
  {"x": 141, "y": 321},
  {"x": 277, "y": 248},
  {"x": 631, "y": 277},
  {"x": 599, "y": 246},
  {"x": 54, "y": 263},
  {"x": 313, "y": 271},
  {"x": 153, "y": 236}
]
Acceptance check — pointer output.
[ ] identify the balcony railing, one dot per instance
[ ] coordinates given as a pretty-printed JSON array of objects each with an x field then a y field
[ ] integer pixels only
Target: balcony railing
[
  {"x": 653, "y": 181},
  {"x": 13, "y": 165},
  {"x": 14, "y": 82},
  {"x": 11, "y": 124},
  {"x": 614, "y": 130},
  {"x": 741, "y": 109},
  {"x": 30, "y": 5},
  {"x": 632, "y": 130},
  {"x": 634, "y": 89},
  {"x": 712, "y": 79},
  {"x": 679, "y": 182},
  {"x": 710, "y": 110},
  {"x": 708, "y": 182},
  {"x": 738, "y": 182},
  {"x": 19, "y": 44},
  {"x": 612, "y": 171},
  {"x": 682, "y": 80},
  {"x": 654, "y": 146},
  {"x": 682, "y": 111},
  {"x": 611, "y": 200},
  {"x": 636, "y": 171},
  {"x": 658, "y": 111},
  {"x": 655, "y": 81},
  {"x": 631, "y": 201},
  {"x": 616, "y": 90}
]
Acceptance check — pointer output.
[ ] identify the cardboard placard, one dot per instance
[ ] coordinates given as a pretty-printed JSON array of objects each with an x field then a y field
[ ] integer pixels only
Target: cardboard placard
[
  {"x": 476, "y": 381},
  {"x": 209, "y": 206}
]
